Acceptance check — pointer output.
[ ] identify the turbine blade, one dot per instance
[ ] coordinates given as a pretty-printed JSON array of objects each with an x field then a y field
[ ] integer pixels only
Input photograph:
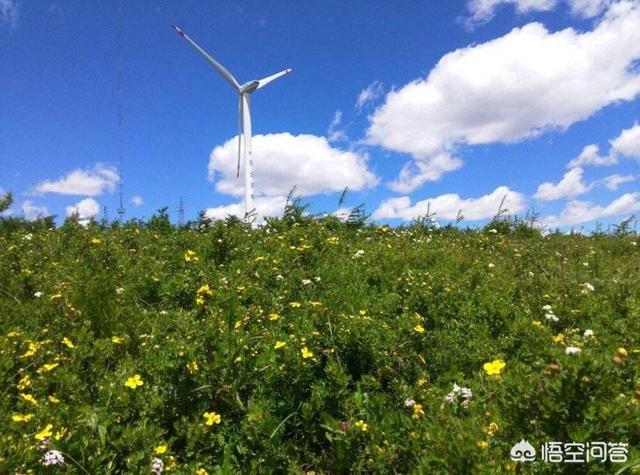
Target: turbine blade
[
  {"x": 219, "y": 67},
  {"x": 240, "y": 133},
  {"x": 264, "y": 81}
]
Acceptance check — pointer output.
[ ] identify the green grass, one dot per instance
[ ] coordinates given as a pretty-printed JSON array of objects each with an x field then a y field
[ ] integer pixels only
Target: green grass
[{"x": 389, "y": 315}]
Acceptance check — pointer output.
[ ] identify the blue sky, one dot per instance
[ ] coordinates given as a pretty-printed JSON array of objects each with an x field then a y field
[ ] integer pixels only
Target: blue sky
[{"x": 455, "y": 105}]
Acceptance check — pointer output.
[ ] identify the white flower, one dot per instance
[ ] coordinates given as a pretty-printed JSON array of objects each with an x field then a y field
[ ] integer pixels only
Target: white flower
[
  {"x": 491, "y": 265},
  {"x": 588, "y": 334},
  {"x": 633, "y": 243},
  {"x": 547, "y": 308},
  {"x": 119, "y": 290},
  {"x": 27, "y": 237},
  {"x": 551, "y": 317},
  {"x": 317, "y": 279},
  {"x": 52, "y": 457},
  {"x": 279, "y": 277},
  {"x": 466, "y": 393},
  {"x": 409, "y": 403},
  {"x": 493, "y": 231},
  {"x": 572, "y": 350},
  {"x": 532, "y": 274},
  {"x": 157, "y": 466},
  {"x": 359, "y": 253},
  {"x": 306, "y": 281},
  {"x": 588, "y": 287},
  {"x": 38, "y": 294},
  {"x": 586, "y": 264},
  {"x": 163, "y": 312}
]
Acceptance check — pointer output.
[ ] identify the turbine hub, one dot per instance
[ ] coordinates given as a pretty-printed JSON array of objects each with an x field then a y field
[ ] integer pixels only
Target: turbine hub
[{"x": 249, "y": 87}]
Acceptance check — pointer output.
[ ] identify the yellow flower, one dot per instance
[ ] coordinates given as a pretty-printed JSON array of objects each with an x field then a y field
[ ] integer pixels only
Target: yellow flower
[
  {"x": 483, "y": 444},
  {"x": 315, "y": 303},
  {"x": 295, "y": 304},
  {"x": 24, "y": 382},
  {"x": 134, "y": 381},
  {"x": 238, "y": 359},
  {"x": 417, "y": 411},
  {"x": 201, "y": 471},
  {"x": 56, "y": 296},
  {"x": 273, "y": 316},
  {"x": 95, "y": 241},
  {"x": 29, "y": 398},
  {"x": 54, "y": 400},
  {"x": 116, "y": 340},
  {"x": 362, "y": 425},
  {"x": 494, "y": 368},
  {"x": 60, "y": 434},
  {"x": 199, "y": 300},
  {"x": 537, "y": 323},
  {"x": 47, "y": 367},
  {"x": 13, "y": 334},
  {"x": 419, "y": 328},
  {"x": 204, "y": 289},
  {"x": 279, "y": 344},
  {"x": 160, "y": 449},
  {"x": 622, "y": 352},
  {"x": 67, "y": 342},
  {"x": 559, "y": 338},
  {"x": 21, "y": 417},
  {"x": 190, "y": 256},
  {"x": 211, "y": 418},
  {"x": 44, "y": 433},
  {"x": 192, "y": 366},
  {"x": 491, "y": 429},
  {"x": 306, "y": 353},
  {"x": 33, "y": 348}
]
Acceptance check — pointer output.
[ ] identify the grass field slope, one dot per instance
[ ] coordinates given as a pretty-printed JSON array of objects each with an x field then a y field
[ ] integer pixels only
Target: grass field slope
[{"x": 313, "y": 346}]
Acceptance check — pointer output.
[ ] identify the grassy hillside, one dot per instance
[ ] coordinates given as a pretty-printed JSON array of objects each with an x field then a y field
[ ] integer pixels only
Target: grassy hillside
[{"x": 313, "y": 346}]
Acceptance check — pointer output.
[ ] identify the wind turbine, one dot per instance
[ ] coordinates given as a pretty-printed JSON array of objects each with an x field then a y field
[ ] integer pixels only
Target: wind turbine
[{"x": 244, "y": 119}]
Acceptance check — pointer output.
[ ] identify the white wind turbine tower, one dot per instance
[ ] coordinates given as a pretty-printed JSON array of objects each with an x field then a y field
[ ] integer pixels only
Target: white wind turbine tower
[{"x": 244, "y": 120}]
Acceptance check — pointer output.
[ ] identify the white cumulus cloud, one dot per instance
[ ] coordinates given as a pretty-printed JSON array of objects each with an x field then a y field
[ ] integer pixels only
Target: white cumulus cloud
[
  {"x": 32, "y": 212},
  {"x": 282, "y": 161},
  {"x": 136, "y": 200},
  {"x": 85, "y": 209},
  {"x": 89, "y": 182},
  {"x": 483, "y": 10},
  {"x": 570, "y": 186},
  {"x": 577, "y": 212},
  {"x": 612, "y": 182},
  {"x": 513, "y": 88},
  {"x": 266, "y": 206},
  {"x": 448, "y": 206},
  {"x": 416, "y": 173},
  {"x": 590, "y": 156},
  {"x": 627, "y": 144}
]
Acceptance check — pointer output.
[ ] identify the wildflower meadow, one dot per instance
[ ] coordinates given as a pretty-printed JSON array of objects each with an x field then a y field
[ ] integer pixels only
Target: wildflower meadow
[{"x": 313, "y": 346}]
